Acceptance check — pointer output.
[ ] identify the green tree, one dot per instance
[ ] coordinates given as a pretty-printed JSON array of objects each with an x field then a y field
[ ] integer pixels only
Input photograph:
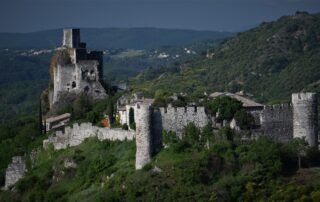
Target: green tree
[
  {"x": 81, "y": 106},
  {"x": 224, "y": 106},
  {"x": 298, "y": 147},
  {"x": 244, "y": 119},
  {"x": 191, "y": 134}
]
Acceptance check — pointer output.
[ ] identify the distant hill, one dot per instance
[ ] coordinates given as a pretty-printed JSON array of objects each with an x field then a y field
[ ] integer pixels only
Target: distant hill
[
  {"x": 270, "y": 61},
  {"x": 111, "y": 38}
]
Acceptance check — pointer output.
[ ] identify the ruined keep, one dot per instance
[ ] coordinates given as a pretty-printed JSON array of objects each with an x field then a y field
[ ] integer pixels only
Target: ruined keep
[
  {"x": 74, "y": 70},
  {"x": 305, "y": 117}
]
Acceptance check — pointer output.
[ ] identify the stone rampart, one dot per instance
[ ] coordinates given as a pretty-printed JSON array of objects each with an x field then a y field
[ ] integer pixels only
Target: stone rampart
[
  {"x": 75, "y": 135},
  {"x": 276, "y": 121},
  {"x": 176, "y": 118},
  {"x": 15, "y": 171}
]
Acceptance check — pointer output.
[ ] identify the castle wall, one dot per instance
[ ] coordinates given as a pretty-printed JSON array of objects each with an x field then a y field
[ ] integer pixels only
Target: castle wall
[
  {"x": 276, "y": 122},
  {"x": 79, "y": 132},
  {"x": 63, "y": 77},
  {"x": 15, "y": 171},
  {"x": 175, "y": 119},
  {"x": 143, "y": 135},
  {"x": 305, "y": 117}
]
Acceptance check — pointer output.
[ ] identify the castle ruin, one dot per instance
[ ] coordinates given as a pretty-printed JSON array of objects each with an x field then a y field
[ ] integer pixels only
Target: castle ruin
[{"x": 75, "y": 70}]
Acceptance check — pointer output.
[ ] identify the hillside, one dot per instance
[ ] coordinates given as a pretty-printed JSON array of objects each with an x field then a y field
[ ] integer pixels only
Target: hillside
[
  {"x": 111, "y": 38},
  {"x": 25, "y": 72},
  {"x": 228, "y": 171},
  {"x": 270, "y": 61}
]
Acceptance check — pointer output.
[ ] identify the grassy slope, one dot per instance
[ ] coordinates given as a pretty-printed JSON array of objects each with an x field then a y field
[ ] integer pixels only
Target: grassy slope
[{"x": 270, "y": 61}]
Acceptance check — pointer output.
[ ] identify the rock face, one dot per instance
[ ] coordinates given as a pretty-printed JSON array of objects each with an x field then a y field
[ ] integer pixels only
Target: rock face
[
  {"x": 75, "y": 70},
  {"x": 305, "y": 117},
  {"x": 15, "y": 171},
  {"x": 143, "y": 135},
  {"x": 78, "y": 133}
]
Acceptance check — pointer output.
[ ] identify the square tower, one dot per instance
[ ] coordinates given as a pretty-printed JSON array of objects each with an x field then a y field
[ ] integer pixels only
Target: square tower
[{"x": 71, "y": 38}]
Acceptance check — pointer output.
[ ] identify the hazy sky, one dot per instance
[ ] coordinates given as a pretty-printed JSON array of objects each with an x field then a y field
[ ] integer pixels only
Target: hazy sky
[{"x": 221, "y": 15}]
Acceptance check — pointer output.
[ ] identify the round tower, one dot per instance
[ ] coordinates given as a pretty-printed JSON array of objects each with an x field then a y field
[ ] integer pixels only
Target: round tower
[
  {"x": 143, "y": 135},
  {"x": 305, "y": 117}
]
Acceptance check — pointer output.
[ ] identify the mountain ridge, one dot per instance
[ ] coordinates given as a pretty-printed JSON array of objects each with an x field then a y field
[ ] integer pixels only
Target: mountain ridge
[{"x": 112, "y": 38}]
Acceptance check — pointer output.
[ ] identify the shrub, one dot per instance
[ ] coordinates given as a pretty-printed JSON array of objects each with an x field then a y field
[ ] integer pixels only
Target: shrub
[
  {"x": 191, "y": 134},
  {"x": 169, "y": 137},
  {"x": 225, "y": 106},
  {"x": 244, "y": 119}
]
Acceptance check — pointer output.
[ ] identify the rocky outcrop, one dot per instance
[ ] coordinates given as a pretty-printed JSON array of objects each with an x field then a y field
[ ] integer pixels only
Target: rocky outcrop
[{"x": 15, "y": 171}]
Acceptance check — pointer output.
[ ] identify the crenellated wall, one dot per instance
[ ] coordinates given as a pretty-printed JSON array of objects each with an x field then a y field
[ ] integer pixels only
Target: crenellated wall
[
  {"x": 176, "y": 118},
  {"x": 276, "y": 122},
  {"x": 143, "y": 135},
  {"x": 79, "y": 132}
]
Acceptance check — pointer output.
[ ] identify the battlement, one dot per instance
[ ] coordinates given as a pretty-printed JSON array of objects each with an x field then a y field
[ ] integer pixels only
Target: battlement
[
  {"x": 176, "y": 118},
  {"x": 71, "y": 38},
  {"x": 286, "y": 106},
  {"x": 303, "y": 96},
  {"x": 181, "y": 110}
]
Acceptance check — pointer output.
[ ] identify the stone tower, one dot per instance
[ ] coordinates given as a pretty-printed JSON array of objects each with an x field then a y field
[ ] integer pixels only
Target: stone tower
[
  {"x": 143, "y": 135},
  {"x": 75, "y": 70},
  {"x": 71, "y": 38},
  {"x": 305, "y": 120}
]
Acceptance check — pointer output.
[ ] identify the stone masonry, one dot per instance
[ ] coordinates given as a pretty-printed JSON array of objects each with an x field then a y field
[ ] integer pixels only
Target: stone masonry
[
  {"x": 305, "y": 117},
  {"x": 15, "y": 171},
  {"x": 176, "y": 118},
  {"x": 75, "y": 70},
  {"x": 79, "y": 132},
  {"x": 143, "y": 135},
  {"x": 276, "y": 122}
]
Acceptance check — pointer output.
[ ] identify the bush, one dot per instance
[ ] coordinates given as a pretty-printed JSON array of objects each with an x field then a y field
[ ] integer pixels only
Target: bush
[
  {"x": 169, "y": 137},
  {"x": 191, "y": 134},
  {"x": 244, "y": 119},
  {"x": 81, "y": 106}
]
